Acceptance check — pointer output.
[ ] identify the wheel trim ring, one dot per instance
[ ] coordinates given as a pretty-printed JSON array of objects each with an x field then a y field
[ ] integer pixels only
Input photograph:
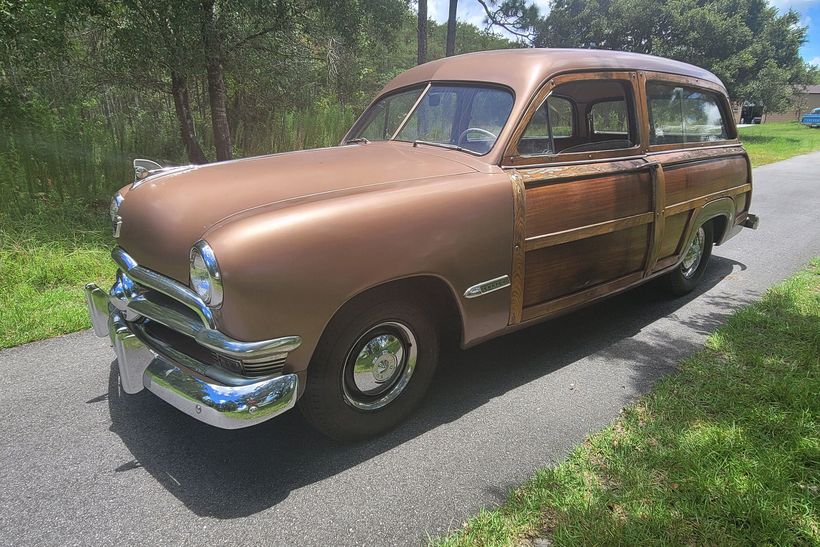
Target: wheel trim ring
[
  {"x": 693, "y": 256},
  {"x": 398, "y": 384}
]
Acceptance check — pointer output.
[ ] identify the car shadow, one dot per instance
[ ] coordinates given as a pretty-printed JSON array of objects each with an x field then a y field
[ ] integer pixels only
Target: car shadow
[{"x": 230, "y": 474}]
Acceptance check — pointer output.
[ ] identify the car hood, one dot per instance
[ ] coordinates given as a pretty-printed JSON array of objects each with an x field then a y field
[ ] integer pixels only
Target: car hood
[{"x": 164, "y": 215}]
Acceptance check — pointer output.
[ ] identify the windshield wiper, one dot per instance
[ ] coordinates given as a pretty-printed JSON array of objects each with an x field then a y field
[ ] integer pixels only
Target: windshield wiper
[
  {"x": 357, "y": 140},
  {"x": 446, "y": 145}
]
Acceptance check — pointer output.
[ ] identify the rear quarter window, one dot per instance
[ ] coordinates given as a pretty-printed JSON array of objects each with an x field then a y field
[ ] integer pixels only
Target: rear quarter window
[{"x": 679, "y": 115}]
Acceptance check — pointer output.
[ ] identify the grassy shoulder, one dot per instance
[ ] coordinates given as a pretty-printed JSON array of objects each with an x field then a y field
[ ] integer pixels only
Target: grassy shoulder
[
  {"x": 45, "y": 260},
  {"x": 726, "y": 452},
  {"x": 771, "y": 142}
]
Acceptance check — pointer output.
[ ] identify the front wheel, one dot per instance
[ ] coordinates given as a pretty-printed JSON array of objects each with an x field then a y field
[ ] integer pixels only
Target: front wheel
[
  {"x": 685, "y": 278},
  {"x": 372, "y": 367}
]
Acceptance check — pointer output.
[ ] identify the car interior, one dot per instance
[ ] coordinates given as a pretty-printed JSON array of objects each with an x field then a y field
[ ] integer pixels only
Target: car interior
[{"x": 582, "y": 116}]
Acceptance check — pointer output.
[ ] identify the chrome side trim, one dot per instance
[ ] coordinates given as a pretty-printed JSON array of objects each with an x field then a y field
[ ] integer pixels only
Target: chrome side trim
[
  {"x": 486, "y": 287},
  {"x": 163, "y": 284}
]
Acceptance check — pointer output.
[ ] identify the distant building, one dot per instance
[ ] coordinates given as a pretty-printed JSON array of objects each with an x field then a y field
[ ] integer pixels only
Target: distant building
[{"x": 804, "y": 101}]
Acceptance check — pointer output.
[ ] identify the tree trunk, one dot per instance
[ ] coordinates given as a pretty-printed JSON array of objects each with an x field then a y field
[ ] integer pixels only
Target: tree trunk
[
  {"x": 182, "y": 105},
  {"x": 422, "y": 36},
  {"x": 218, "y": 96},
  {"x": 451, "y": 29},
  {"x": 217, "y": 93}
]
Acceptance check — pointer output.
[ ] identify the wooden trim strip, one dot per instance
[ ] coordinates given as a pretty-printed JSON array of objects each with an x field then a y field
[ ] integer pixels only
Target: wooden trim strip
[
  {"x": 583, "y": 232},
  {"x": 582, "y": 297},
  {"x": 703, "y": 200},
  {"x": 519, "y": 233},
  {"x": 686, "y": 156},
  {"x": 554, "y": 174},
  {"x": 658, "y": 201}
]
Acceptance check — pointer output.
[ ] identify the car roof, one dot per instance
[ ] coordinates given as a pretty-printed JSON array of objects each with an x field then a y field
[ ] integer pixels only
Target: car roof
[{"x": 524, "y": 69}]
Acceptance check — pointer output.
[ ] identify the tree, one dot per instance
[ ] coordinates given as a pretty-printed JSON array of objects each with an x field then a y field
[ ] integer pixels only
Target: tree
[
  {"x": 751, "y": 47},
  {"x": 422, "y": 32},
  {"x": 213, "y": 39},
  {"x": 451, "y": 29}
]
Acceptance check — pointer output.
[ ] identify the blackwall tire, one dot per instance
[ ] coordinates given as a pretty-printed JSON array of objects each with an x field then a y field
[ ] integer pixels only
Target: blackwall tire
[
  {"x": 683, "y": 279},
  {"x": 371, "y": 368}
]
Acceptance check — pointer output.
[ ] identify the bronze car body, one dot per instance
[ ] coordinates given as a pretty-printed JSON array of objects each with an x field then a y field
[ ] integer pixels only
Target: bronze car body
[{"x": 501, "y": 237}]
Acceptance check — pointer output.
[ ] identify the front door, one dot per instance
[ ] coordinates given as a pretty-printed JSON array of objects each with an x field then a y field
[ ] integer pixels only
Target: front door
[{"x": 586, "y": 194}]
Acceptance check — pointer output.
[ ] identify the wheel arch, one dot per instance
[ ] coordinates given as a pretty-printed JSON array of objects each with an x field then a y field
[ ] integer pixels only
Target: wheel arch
[
  {"x": 720, "y": 212},
  {"x": 437, "y": 294}
]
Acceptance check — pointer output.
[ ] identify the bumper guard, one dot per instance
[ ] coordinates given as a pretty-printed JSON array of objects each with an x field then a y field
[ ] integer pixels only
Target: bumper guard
[{"x": 233, "y": 403}]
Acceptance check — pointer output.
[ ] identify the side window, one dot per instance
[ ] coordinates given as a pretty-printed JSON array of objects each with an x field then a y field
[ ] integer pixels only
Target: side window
[
  {"x": 609, "y": 117},
  {"x": 537, "y": 138},
  {"x": 679, "y": 115},
  {"x": 582, "y": 116}
]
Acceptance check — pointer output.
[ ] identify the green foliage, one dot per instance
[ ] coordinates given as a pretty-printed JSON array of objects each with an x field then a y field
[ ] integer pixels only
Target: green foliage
[
  {"x": 746, "y": 43},
  {"x": 85, "y": 86},
  {"x": 723, "y": 453}
]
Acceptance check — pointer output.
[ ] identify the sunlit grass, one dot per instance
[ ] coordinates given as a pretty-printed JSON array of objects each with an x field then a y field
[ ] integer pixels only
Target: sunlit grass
[
  {"x": 727, "y": 452},
  {"x": 45, "y": 260},
  {"x": 771, "y": 142}
]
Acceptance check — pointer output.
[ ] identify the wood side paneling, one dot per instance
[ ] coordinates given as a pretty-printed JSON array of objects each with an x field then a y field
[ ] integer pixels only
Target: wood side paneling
[
  {"x": 673, "y": 233},
  {"x": 695, "y": 179},
  {"x": 559, "y": 270},
  {"x": 517, "y": 274},
  {"x": 559, "y": 206}
]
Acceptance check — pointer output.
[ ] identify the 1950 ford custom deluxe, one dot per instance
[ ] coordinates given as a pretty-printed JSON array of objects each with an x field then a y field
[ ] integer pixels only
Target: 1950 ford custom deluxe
[{"x": 480, "y": 193}]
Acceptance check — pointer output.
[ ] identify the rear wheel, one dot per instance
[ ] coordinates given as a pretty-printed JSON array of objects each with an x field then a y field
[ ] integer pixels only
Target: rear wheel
[
  {"x": 685, "y": 278},
  {"x": 372, "y": 367}
]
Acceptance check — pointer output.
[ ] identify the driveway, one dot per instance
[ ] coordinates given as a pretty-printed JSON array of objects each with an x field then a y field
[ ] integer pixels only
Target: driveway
[{"x": 81, "y": 463}]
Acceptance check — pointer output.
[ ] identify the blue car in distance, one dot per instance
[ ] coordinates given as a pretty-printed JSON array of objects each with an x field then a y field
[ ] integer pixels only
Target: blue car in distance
[{"x": 812, "y": 119}]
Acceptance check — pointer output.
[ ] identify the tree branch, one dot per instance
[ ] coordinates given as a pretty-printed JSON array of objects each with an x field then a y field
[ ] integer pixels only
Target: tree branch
[{"x": 494, "y": 17}]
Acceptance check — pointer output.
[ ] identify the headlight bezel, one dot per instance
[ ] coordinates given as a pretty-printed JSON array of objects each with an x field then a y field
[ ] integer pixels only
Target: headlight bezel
[
  {"x": 114, "y": 213},
  {"x": 205, "y": 278}
]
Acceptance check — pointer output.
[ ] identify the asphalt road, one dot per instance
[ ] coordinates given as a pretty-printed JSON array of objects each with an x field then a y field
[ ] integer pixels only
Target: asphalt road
[{"x": 81, "y": 464}]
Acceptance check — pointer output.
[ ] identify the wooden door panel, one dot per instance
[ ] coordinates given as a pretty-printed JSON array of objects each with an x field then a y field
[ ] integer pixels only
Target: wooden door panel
[
  {"x": 568, "y": 204},
  {"x": 563, "y": 269},
  {"x": 688, "y": 181}
]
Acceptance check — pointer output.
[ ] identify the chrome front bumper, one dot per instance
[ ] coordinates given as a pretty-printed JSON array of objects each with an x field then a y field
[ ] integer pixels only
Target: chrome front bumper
[{"x": 206, "y": 392}]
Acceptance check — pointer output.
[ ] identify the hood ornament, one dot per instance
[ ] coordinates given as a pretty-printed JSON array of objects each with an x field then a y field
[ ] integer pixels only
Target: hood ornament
[{"x": 144, "y": 168}]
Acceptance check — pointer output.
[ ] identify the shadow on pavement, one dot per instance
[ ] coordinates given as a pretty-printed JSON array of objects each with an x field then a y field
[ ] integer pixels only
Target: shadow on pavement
[{"x": 230, "y": 474}]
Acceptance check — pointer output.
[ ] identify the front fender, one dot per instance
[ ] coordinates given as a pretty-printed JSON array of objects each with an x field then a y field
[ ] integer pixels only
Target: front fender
[{"x": 287, "y": 269}]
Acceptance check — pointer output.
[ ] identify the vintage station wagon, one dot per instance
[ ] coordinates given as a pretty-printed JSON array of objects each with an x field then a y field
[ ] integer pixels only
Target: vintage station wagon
[{"x": 479, "y": 194}]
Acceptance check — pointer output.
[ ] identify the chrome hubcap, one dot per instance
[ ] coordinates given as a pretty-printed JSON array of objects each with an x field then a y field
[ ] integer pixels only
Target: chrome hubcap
[
  {"x": 692, "y": 258},
  {"x": 379, "y": 365}
]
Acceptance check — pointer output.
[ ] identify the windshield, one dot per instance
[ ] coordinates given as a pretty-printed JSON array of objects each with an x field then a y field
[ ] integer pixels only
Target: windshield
[{"x": 468, "y": 117}]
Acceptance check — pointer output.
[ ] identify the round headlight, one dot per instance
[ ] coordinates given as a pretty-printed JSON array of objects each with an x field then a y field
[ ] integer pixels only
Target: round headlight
[{"x": 205, "y": 278}]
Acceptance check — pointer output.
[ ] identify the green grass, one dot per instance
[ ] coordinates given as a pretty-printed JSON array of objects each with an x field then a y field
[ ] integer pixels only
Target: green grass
[
  {"x": 726, "y": 452},
  {"x": 46, "y": 258},
  {"x": 771, "y": 142}
]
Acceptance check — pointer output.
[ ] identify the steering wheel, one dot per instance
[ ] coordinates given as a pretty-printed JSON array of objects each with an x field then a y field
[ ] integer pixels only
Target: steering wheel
[{"x": 464, "y": 134}]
